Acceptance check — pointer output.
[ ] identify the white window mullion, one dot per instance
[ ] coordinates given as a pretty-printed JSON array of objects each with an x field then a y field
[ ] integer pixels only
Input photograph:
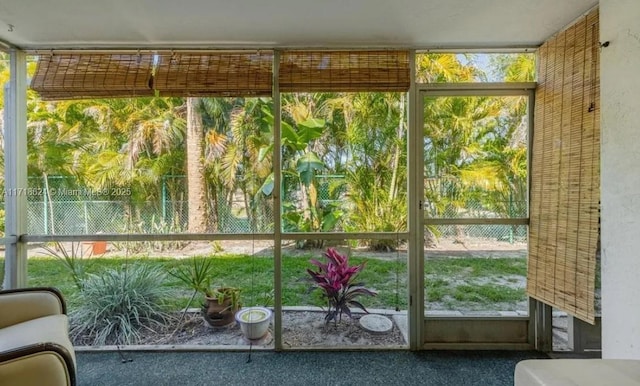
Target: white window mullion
[{"x": 15, "y": 170}]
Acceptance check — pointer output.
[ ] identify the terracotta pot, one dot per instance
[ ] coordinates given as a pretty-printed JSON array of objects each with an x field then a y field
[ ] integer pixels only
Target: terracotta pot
[
  {"x": 219, "y": 314},
  {"x": 99, "y": 248}
]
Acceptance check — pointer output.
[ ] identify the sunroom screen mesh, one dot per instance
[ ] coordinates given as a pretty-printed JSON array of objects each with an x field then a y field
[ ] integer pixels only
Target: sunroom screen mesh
[
  {"x": 304, "y": 71},
  {"x": 214, "y": 74},
  {"x": 92, "y": 75},
  {"x": 565, "y": 174}
]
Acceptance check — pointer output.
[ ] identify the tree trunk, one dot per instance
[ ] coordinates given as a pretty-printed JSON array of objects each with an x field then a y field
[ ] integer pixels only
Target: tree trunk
[
  {"x": 393, "y": 189},
  {"x": 47, "y": 191},
  {"x": 197, "y": 201},
  {"x": 460, "y": 235}
]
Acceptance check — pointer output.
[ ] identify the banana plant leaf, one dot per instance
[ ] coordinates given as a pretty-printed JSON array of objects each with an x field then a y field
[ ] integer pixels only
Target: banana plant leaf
[{"x": 307, "y": 165}]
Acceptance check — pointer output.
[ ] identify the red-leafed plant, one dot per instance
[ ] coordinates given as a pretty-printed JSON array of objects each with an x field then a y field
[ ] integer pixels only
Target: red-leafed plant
[{"x": 336, "y": 278}]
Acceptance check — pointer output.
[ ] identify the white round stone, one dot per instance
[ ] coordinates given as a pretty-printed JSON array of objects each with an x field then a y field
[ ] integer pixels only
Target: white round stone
[{"x": 376, "y": 323}]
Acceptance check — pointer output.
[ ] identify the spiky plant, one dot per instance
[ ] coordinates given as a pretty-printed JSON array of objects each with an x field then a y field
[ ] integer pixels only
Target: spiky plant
[{"x": 116, "y": 304}]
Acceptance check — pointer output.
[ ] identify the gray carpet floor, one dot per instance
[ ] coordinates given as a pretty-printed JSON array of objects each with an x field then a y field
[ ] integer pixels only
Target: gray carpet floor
[{"x": 486, "y": 368}]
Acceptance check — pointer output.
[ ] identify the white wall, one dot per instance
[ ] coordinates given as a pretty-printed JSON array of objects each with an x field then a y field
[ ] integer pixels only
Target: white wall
[{"x": 620, "y": 170}]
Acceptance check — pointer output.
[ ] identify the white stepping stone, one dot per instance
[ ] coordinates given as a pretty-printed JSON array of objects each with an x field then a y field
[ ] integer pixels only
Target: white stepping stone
[{"x": 376, "y": 323}]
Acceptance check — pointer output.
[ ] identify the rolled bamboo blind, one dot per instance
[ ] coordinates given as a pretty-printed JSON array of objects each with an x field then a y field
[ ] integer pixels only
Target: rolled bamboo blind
[
  {"x": 565, "y": 174},
  {"x": 214, "y": 74},
  {"x": 304, "y": 71},
  {"x": 92, "y": 75}
]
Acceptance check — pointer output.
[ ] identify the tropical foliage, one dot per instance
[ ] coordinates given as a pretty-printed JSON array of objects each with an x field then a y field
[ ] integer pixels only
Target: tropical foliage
[
  {"x": 475, "y": 146},
  {"x": 337, "y": 279},
  {"x": 344, "y": 155}
]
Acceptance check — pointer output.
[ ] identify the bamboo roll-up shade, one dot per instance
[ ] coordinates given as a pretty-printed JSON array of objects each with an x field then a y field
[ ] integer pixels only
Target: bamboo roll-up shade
[
  {"x": 306, "y": 71},
  {"x": 241, "y": 74},
  {"x": 565, "y": 175},
  {"x": 92, "y": 75}
]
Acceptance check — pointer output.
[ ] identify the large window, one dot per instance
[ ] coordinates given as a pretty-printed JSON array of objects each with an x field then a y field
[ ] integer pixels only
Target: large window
[
  {"x": 196, "y": 180},
  {"x": 344, "y": 163},
  {"x": 121, "y": 166},
  {"x": 379, "y": 286}
]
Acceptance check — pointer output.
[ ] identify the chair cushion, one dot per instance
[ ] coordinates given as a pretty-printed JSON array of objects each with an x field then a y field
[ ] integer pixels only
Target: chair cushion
[
  {"x": 52, "y": 329},
  {"x": 565, "y": 372}
]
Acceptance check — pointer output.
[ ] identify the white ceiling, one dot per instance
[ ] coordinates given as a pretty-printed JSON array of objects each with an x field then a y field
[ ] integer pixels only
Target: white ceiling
[{"x": 421, "y": 24}]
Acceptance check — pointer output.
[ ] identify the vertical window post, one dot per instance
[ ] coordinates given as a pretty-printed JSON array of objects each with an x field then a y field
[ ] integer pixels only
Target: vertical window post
[{"x": 16, "y": 172}]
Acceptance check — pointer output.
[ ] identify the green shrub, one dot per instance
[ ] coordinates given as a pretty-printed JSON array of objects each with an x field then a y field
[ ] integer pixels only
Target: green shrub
[
  {"x": 375, "y": 212},
  {"x": 116, "y": 304}
]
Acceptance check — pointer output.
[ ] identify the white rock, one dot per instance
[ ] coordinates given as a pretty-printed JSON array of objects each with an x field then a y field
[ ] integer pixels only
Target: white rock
[{"x": 376, "y": 323}]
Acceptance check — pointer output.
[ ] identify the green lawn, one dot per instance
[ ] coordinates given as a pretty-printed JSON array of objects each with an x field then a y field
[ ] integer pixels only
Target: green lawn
[
  {"x": 451, "y": 283},
  {"x": 475, "y": 283}
]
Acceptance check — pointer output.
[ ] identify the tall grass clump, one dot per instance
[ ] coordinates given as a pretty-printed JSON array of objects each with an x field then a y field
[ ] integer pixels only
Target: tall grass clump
[{"x": 115, "y": 305}]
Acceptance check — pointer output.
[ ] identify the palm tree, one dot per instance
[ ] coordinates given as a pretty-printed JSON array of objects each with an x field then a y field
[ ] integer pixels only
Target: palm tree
[
  {"x": 457, "y": 130},
  {"x": 137, "y": 142},
  {"x": 359, "y": 135},
  {"x": 475, "y": 147},
  {"x": 247, "y": 161},
  {"x": 376, "y": 171},
  {"x": 55, "y": 137},
  {"x": 196, "y": 187},
  {"x": 445, "y": 68},
  {"x": 514, "y": 67}
]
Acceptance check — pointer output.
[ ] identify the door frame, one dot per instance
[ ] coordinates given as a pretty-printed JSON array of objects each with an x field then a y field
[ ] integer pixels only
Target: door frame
[{"x": 450, "y": 326}]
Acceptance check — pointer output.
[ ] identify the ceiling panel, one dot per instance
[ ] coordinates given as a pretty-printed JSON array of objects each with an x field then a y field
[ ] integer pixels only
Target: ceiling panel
[{"x": 423, "y": 24}]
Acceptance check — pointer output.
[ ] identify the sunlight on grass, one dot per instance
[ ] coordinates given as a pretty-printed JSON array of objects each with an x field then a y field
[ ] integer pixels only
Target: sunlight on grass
[
  {"x": 487, "y": 293},
  {"x": 475, "y": 283},
  {"x": 449, "y": 280},
  {"x": 475, "y": 267}
]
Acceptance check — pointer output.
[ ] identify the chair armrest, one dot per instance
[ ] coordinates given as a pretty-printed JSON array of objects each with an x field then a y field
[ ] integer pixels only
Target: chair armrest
[{"x": 20, "y": 305}]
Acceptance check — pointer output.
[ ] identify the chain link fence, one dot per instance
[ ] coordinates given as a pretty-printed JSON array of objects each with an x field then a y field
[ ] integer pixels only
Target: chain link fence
[
  {"x": 500, "y": 233},
  {"x": 90, "y": 217},
  {"x": 60, "y": 206},
  {"x": 475, "y": 210}
]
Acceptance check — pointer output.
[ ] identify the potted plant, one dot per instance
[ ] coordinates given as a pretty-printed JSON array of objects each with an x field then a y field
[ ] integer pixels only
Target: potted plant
[
  {"x": 220, "y": 303},
  {"x": 337, "y": 279}
]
